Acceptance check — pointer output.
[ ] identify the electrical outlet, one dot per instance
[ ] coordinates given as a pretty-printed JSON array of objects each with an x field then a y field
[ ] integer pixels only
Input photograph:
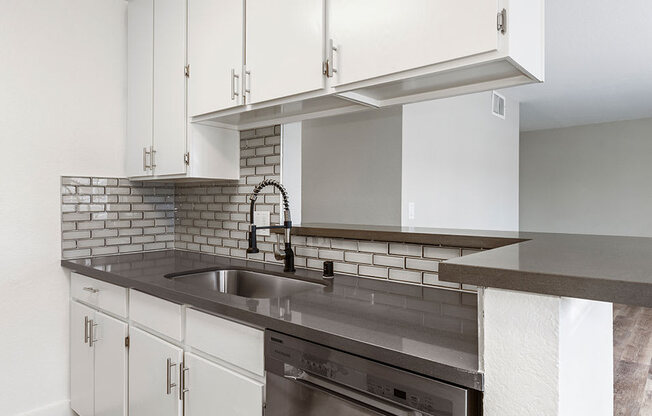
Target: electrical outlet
[
  {"x": 261, "y": 219},
  {"x": 411, "y": 211}
]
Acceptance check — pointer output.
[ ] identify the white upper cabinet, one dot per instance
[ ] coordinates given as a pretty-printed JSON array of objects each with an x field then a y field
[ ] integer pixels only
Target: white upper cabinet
[
  {"x": 284, "y": 46},
  {"x": 215, "y": 55},
  {"x": 161, "y": 144},
  {"x": 258, "y": 62},
  {"x": 140, "y": 85},
  {"x": 169, "y": 87},
  {"x": 387, "y": 36}
]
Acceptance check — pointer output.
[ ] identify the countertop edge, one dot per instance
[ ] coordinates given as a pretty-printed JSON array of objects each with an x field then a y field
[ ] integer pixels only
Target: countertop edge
[
  {"x": 613, "y": 291},
  {"x": 445, "y": 239},
  {"x": 450, "y": 374}
]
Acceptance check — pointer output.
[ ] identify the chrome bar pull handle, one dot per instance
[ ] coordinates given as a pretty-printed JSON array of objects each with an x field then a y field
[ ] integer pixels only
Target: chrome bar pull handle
[
  {"x": 152, "y": 152},
  {"x": 332, "y": 49},
  {"x": 85, "y": 329},
  {"x": 329, "y": 65},
  {"x": 247, "y": 83},
  {"x": 182, "y": 380},
  {"x": 234, "y": 84},
  {"x": 146, "y": 153},
  {"x": 91, "y": 333},
  {"x": 169, "y": 383},
  {"x": 91, "y": 290}
]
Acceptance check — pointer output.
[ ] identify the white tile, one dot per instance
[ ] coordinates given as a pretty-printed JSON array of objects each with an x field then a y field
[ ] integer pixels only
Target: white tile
[
  {"x": 405, "y": 275},
  {"x": 372, "y": 247},
  {"x": 331, "y": 254},
  {"x": 433, "y": 279},
  {"x": 358, "y": 257},
  {"x": 372, "y": 271},
  {"x": 390, "y": 261},
  {"x": 443, "y": 253},
  {"x": 419, "y": 264},
  {"x": 405, "y": 249}
]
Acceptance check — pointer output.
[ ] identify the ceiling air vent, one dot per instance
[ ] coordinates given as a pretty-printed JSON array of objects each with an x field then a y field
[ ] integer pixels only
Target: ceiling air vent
[{"x": 498, "y": 105}]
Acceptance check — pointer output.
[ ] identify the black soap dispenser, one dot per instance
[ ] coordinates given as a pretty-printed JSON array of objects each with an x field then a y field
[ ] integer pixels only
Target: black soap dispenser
[{"x": 328, "y": 270}]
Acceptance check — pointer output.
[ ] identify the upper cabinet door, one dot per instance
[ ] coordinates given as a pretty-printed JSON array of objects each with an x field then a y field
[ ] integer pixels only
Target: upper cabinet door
[
  {"x": 388, "y": 36},
  {"x": 153, "y": 376},
  {"x": 215, "y": 55},
  {"x": 140, "y": 85},
  {"x": 285, "y": 43},
  {"x": 169, "y": 87},
  {"x": 110, "y": 366}
]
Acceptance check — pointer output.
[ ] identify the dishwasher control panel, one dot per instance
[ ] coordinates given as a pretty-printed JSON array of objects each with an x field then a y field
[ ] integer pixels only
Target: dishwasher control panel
[
  {"x": 290, "y": 357},
  {"x": 409, "y": 397},
  {"x": 377, "y": 386}
]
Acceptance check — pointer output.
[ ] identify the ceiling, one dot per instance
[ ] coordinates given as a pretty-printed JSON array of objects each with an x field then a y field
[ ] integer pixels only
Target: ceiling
[{"x": 598, "y": 65}]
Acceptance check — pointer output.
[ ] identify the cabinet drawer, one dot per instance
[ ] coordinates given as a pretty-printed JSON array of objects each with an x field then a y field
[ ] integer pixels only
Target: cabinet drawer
[
  {"x": 102, "y": 295},
  {"x": 232, "y": 342},
  {"x": 160, "y": 315}
]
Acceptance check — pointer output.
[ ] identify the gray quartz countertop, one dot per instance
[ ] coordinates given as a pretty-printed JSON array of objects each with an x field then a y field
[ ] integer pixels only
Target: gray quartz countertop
[
  {"x": 605, "y": 268},
  {"x": 597, "y": 267},
  {"x": 426, "y": 330},
  {"x": 482, "y": 239}
]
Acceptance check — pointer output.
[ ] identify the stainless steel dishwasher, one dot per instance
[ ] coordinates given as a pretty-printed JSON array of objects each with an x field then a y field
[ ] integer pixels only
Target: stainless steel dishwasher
[{"x": 307, "y": 379}]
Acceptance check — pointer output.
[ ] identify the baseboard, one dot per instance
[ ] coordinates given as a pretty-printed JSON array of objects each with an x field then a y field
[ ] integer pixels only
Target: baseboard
[{"x": 61, "y": 408}]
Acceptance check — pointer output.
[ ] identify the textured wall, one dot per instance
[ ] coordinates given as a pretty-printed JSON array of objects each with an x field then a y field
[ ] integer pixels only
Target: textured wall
[{"x": 545, "y": 355}]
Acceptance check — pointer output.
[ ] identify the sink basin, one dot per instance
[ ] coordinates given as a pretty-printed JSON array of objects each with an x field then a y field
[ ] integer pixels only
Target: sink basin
[{"x": 245, "y": 283}]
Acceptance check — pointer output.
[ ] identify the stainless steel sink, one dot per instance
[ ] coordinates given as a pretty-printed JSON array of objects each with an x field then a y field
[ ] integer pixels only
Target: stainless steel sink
[{"x": 245, "y": 283}]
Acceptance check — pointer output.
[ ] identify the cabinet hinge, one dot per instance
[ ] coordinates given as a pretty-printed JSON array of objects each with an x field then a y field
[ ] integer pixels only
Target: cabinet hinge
[
  {"x": 501, "y": 22},
  {"x": 127, "y": 342},
  {"x": 187, "y": 71},
  {"x": 186, "y": 158}
]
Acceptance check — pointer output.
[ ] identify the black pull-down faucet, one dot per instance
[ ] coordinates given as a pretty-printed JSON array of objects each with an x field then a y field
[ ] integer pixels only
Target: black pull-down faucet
[{"x": 287, "y": 254}]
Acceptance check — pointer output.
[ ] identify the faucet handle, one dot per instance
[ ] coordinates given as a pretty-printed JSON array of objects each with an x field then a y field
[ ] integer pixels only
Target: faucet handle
[
  {"x": 253, "y": 246},
  {"x": 278, "y": 254}
]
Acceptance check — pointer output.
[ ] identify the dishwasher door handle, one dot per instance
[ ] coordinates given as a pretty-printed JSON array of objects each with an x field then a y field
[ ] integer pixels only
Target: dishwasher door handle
[{"x": 349, "y": 394}]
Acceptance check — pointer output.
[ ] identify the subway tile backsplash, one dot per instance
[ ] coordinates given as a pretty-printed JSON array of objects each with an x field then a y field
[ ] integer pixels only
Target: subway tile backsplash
[{"x": 103, "y": 216}]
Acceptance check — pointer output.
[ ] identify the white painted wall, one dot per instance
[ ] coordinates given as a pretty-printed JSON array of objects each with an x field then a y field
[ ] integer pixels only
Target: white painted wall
[
  {"x": 592, "y": 179},
  {"x": 291, "y": 173},
  {"x": 63, "y": 111},
  {"x": 460, "y": 164},
  {"x": 352, "y": 168}
]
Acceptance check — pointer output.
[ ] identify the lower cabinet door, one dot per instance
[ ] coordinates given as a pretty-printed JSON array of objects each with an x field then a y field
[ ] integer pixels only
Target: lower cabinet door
[
  {"x": 215, "y": 390},
  {"x": 81, "y": 360},
  {"x": 153, "y": 375},
  {"x": 110, "y": 366}
]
